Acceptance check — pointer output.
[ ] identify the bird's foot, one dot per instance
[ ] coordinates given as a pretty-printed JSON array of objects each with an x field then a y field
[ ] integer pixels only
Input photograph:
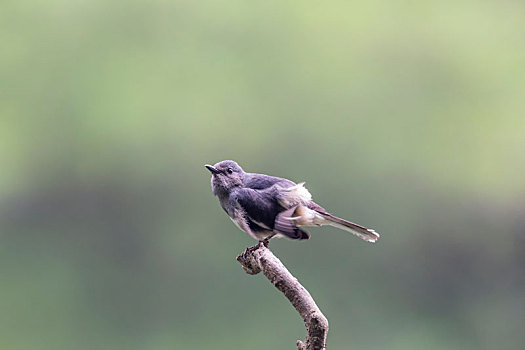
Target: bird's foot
[
  {"x": 262, "y": 243},
  {"x": 253, "y": 248}
]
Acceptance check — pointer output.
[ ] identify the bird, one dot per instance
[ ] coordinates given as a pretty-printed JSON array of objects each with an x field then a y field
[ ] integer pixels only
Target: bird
[{"x": 267, "y": 206}]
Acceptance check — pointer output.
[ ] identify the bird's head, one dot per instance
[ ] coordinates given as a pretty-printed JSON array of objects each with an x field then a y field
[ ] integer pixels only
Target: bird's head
[{"x": 225, "y": 176}]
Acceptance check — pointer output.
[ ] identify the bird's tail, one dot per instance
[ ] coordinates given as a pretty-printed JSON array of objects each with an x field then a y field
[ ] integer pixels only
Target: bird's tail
[
  {"x": 315, "y": 215},
  {"x": 364, "y": 233}
]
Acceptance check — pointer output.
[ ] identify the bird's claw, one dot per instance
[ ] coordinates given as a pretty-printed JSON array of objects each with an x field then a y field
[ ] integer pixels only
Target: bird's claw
[{"x": 263, "y": 243}]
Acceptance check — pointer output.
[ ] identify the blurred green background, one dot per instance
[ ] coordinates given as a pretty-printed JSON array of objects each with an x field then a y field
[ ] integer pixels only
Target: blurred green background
[{"x": 407, "y": 117}]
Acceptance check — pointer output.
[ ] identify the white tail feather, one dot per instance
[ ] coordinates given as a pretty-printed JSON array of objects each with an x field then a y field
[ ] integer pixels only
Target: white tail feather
[
  {"x": 308, "y": 217},
  {"x": 365, "y": 234}
]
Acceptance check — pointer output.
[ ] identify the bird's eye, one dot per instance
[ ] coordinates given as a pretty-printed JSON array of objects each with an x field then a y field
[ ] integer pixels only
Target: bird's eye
[{"x": 230, "y": 171}]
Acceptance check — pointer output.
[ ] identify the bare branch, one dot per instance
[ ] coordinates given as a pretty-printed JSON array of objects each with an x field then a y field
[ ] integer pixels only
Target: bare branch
[{"x": 260, "y": 258}]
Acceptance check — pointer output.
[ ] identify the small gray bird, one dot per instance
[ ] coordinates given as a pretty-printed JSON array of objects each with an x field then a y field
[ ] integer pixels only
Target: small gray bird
[{"x": 265, "y": 206}]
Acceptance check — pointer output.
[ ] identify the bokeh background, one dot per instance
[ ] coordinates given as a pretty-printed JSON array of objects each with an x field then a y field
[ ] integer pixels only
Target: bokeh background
[{"x": 407, "y": 117}]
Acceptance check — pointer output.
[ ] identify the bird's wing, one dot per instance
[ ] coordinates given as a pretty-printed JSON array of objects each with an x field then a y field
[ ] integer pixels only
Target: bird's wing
[
  {"x": 258, "y": 205},
  {"x": 262, "y": 207},
  {"x": 261, "y": 181}
]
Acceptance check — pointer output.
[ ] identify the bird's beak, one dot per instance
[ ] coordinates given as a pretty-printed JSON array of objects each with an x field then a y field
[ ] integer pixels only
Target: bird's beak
[{"x": 212, "y": 169}]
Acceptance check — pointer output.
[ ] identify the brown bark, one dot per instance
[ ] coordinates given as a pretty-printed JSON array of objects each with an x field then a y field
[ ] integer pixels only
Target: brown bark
[{"x": 260, "y": 258}]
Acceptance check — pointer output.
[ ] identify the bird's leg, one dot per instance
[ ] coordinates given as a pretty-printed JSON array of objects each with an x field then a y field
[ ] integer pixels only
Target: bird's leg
[
  {"x": 266, "y": 241},
  {"x": 261, "y": 243}
]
